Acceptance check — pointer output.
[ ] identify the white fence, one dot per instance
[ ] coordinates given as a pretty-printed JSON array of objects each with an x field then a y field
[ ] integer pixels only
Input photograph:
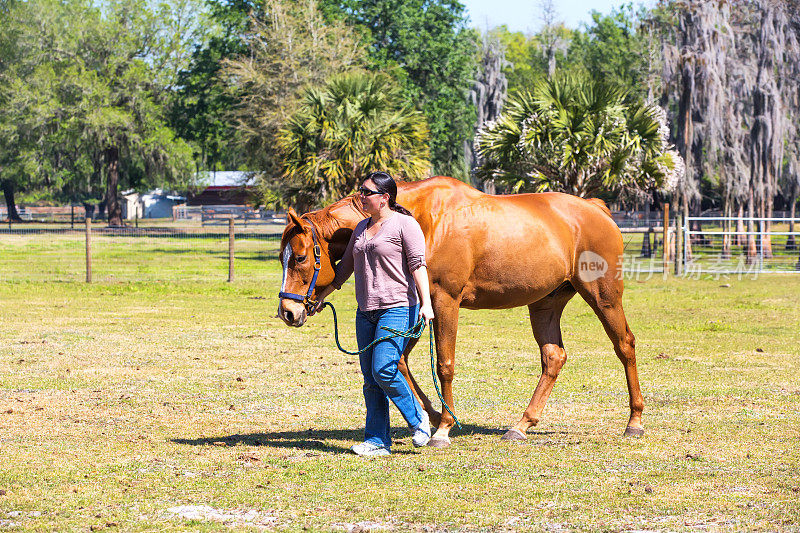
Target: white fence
[
  {"x": 49, "y": 214},
  {"x": 98, "y": 253},
  {"x": 219, "y": 214},
  {"x": 746, "y": 246},
  {"x": 701, "y": 246}
]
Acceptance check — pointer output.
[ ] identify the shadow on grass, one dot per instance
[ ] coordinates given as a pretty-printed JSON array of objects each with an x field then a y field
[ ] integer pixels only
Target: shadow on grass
[
  {"x": 319, "y": 439},
  {"x": 311, "y": 439}
]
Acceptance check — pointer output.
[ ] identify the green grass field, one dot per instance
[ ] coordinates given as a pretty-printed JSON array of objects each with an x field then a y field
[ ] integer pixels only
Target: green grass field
[
  {"x": 158, "y": 405},
  {"x": 196, "y": 254}
]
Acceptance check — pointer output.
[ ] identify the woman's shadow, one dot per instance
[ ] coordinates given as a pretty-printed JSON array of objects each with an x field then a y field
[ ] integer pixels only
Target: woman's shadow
[{"x": 320, "y": 439}]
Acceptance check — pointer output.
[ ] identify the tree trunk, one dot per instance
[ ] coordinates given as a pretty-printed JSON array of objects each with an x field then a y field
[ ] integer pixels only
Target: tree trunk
[
  {"x": 8, "y": 192},
  {"x": 113, "y": 208},
  {"x": 752, "y": 246},
  {"x": 769, "y": 129},
  {"x": 685, "y": 138},
  {"x": 791, "y": 244},
  {"x": 762, "y": 213},
  {"x": 687, "y": 243},
  {"x": 767, "y": 244},
  {"x": 726, "y": 227},
  {"x": 740, "y": 225},
  {"x": 737, "y": 239}
]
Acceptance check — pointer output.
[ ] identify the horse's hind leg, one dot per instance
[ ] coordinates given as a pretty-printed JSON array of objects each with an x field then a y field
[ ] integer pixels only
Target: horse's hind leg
[
  {"x": 605, "y": 298},
  {"x": 546, "y": 324}
]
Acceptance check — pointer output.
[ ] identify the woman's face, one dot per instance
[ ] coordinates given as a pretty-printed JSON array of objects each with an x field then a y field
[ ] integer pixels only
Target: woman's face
[{"x": 371, "y": 201}]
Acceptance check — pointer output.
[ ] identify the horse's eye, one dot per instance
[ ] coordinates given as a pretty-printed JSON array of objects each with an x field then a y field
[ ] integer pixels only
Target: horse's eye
[{"x": 300, "y": 258}]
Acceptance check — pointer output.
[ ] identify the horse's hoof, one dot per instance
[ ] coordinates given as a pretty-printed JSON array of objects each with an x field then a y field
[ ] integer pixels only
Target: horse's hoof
[
  {"x": 631, "y": 431},
  {"x": 439, "y": 442},
  {"x": 513, "y": 434}
]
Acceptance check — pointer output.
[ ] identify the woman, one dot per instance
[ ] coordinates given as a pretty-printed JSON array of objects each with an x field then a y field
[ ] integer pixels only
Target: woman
[{"x": 387, "y": 254}]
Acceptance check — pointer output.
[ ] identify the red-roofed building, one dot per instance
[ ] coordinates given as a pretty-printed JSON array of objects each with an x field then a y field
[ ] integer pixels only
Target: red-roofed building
[{"x": 224, "y": 188}]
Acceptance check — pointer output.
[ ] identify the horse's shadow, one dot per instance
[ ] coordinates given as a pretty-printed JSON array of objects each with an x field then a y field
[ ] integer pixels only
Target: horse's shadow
[{"x": 320, "y": 439}]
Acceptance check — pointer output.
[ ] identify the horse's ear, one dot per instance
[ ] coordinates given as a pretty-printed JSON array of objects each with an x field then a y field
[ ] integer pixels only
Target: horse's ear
[{"x": 296, "y": 219}]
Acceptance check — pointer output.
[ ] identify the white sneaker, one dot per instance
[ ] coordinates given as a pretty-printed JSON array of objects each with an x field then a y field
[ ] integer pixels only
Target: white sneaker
[
  {"x": 423, "y": 432},
  {"x": 368, "y": 449}
]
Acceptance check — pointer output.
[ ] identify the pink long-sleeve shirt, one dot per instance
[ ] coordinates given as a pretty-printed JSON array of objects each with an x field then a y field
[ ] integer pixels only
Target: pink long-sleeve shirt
[{"x": 383, "y": 264}]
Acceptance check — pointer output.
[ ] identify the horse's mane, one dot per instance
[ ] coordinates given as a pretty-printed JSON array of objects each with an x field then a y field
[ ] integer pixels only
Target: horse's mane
[
  {"x": 326, "y": 221},
  {"x": 601, "y": 204}
]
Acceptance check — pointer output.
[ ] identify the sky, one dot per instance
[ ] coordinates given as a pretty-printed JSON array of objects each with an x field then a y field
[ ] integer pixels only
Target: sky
[{"x": 525, "y": 15}]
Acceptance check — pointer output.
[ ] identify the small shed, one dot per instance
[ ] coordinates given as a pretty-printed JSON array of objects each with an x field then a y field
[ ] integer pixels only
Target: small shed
[
  {"x": 159, "y": 204},
  {"x": 132, "y": 205}
]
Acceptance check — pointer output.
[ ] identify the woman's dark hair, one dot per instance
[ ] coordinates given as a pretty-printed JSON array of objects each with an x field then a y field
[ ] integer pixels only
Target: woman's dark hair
[{"x": 385, "y": 184}]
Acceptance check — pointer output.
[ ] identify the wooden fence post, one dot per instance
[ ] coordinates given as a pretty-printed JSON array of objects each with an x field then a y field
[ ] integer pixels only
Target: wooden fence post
[
  {"x": 230, "y": 249},
  {"x": 665, "y": 241},
  {"x": 88, "y": 250}
]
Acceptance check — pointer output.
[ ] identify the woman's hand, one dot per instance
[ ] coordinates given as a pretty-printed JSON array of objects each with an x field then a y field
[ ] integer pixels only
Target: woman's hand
[
  {"x": 321, "y": 300},
  {"x": 318, "y": 307},
  {"x": 426, "y": 313}
]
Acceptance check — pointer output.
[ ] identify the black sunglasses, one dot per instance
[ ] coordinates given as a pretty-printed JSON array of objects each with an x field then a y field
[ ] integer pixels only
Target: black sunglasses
[{"x": 363, "y": 191}]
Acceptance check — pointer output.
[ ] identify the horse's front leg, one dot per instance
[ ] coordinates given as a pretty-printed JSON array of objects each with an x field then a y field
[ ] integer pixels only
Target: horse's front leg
[
  {"x": 405, "y": 369},
  {"x": 445, "y": 329}
]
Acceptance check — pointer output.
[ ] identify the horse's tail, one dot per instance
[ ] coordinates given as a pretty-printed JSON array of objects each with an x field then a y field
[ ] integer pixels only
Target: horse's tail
[{"x": 601, "y": 204}]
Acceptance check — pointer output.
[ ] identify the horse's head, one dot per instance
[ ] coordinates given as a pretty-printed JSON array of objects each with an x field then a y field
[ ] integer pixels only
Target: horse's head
[{"x": 307, "y": 268}]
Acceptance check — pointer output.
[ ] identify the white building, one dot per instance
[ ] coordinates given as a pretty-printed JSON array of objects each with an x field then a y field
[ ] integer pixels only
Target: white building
[{"x": 154, "y": 204}]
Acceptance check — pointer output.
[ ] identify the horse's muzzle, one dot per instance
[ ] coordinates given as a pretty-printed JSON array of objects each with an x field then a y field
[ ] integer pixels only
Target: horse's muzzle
[{"x": 292, "y": 313}]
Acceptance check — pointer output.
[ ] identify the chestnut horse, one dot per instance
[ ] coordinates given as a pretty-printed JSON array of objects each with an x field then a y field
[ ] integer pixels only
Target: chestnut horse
[{"x": 485, "y": 252}]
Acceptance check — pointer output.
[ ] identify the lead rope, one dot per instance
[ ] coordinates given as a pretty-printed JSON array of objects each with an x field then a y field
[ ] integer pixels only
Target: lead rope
[{"x": 414, "y": 332}]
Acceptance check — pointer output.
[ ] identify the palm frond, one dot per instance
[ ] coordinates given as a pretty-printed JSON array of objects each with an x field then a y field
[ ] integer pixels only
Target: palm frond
[{"x": 577, "y": 135}]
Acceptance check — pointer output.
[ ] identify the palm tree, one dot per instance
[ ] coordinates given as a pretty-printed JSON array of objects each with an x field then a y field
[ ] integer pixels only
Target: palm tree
[
  {"x": 578, "y": 135},
  {"x": 355, "y": 124}
]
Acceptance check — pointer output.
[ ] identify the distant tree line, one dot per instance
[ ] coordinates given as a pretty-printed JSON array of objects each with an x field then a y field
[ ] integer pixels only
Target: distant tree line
[{"x": 693, "y": 102}]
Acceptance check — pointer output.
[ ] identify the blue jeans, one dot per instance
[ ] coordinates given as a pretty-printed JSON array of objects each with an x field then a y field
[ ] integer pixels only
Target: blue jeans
[{"x": 382, "y": 380}]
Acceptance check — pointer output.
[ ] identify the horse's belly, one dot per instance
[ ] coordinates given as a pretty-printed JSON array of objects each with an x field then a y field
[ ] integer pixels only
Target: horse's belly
[
  {"x": 510, "y": 289},
  {"x": 489, "y": 299}
]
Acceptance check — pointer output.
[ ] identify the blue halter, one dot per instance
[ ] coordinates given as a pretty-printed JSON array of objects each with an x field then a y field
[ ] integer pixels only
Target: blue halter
[{"x": 307, "y": 301}]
